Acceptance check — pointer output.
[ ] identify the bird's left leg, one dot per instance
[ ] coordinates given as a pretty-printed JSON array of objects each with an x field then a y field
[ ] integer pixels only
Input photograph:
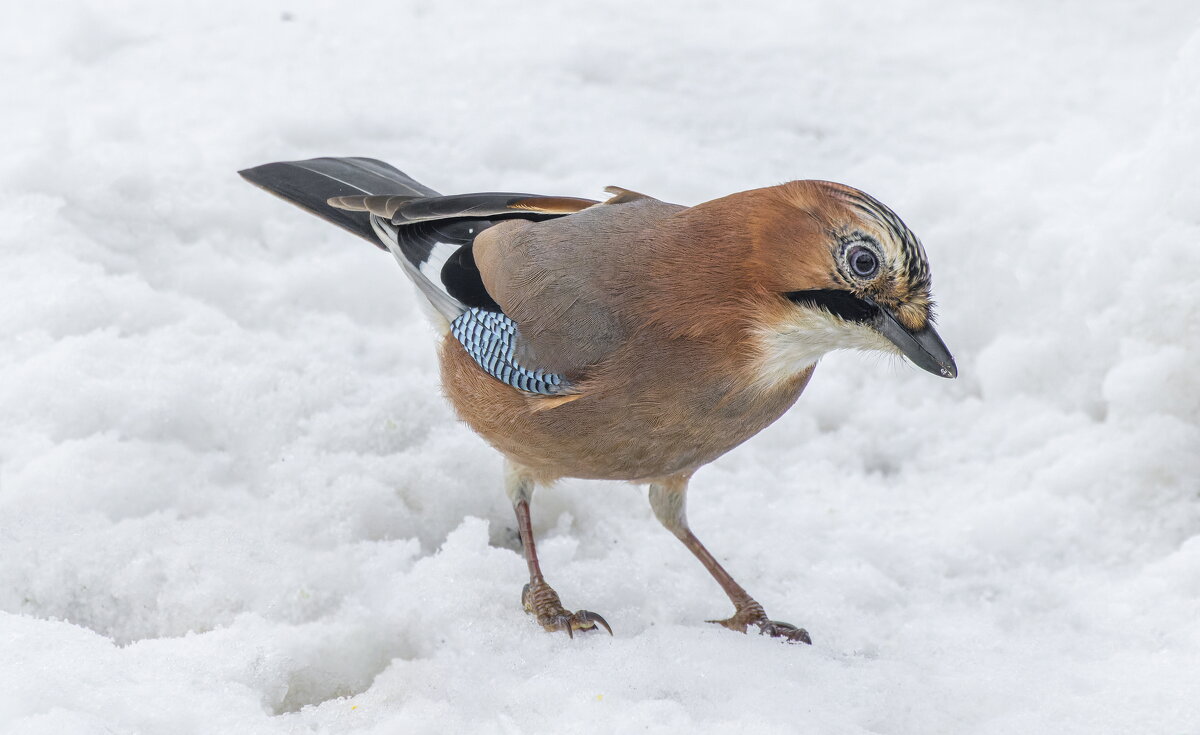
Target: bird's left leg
[
  {"x": 668, "y": 498},
  {"x": 539, "y": 598}
]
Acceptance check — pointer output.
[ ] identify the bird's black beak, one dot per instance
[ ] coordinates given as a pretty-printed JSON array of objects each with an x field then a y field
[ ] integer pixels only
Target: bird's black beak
[{"x": 923, "y": 346}]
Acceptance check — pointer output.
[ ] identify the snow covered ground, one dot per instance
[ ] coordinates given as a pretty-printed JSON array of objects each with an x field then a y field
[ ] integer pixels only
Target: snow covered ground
[{"x": 232, "y": 499}]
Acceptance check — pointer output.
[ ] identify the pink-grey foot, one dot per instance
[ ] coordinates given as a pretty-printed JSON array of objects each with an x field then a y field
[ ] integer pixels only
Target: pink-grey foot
[
  {"x": 752, "y": 613},
  {"x": 541, "y": 601}
]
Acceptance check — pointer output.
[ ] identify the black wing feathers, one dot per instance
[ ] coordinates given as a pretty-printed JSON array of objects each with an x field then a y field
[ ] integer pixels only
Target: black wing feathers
[{"x": 387, "y": 207}]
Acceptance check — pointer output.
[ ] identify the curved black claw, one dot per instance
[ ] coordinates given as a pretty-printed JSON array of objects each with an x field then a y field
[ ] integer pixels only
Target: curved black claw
[
  {"x": 579, "y": 620},
  {"x": 787, "y": 631},
  {"x": 588, "y": 620}
]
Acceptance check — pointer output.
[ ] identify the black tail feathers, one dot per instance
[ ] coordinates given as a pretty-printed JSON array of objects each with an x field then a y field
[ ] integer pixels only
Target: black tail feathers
[{"x": 311, "y": 184}]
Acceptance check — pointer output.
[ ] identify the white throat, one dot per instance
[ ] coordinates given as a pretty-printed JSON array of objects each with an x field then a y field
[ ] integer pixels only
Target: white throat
[{"x": 797, "y": 343}]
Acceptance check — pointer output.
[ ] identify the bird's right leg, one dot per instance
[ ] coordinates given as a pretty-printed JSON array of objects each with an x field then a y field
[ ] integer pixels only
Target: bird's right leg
[
  {"x": 668, "y": 498},
  {"x": 539, "y": 598}
]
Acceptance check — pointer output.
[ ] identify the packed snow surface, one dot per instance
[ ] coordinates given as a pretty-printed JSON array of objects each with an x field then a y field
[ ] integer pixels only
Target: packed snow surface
[{"x": 233, "y": 499}]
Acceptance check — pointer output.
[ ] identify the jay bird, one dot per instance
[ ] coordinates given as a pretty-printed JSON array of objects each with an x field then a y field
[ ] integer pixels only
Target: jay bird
[{"x": 633, "y": 339}]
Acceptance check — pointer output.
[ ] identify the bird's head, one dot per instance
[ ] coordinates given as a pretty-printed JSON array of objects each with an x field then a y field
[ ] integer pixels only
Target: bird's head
[{"x": 843, "y": 272}]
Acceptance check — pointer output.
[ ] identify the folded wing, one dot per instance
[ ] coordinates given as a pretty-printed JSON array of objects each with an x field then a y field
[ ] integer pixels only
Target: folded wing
[{"x": 528, "y": 284}]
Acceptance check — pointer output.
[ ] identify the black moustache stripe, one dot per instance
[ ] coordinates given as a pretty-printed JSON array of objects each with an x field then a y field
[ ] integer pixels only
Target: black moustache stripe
[{"x": 839, "y": 303}]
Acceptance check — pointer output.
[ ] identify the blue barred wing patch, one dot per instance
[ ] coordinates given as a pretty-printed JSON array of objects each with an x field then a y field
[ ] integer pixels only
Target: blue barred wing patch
[{"x": 490, "y": 339}]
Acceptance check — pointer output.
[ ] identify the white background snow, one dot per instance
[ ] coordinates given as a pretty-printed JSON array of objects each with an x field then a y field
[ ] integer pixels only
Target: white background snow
[{"x": 233, "y": 500}]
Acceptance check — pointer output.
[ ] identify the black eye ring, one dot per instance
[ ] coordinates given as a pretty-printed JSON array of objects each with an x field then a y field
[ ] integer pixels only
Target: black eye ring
[{"x": 862, "y": 261}]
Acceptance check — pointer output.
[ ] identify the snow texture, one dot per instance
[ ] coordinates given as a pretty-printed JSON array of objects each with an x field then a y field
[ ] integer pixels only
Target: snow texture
[{"x": 233, "y": 499}]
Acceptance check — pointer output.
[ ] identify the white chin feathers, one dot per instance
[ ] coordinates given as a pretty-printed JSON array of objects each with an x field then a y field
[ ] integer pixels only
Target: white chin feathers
[{"x": 798, "y": 342}]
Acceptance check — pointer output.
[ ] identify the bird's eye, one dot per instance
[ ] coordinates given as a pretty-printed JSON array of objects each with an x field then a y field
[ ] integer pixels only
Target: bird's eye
[{"x": 862, "y": 261}]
